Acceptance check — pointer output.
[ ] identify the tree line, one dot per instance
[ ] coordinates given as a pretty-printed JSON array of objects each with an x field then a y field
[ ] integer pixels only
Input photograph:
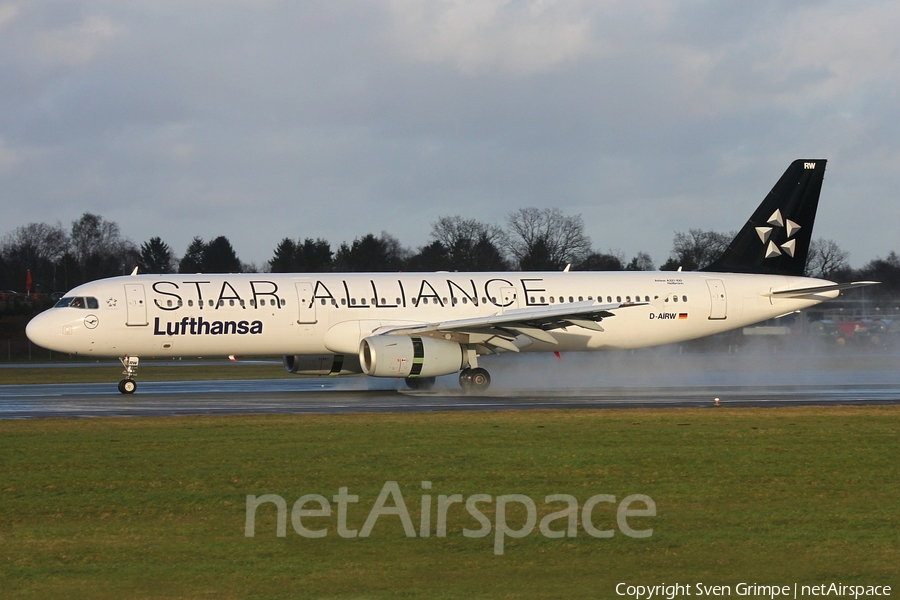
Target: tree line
[{"x": 533, "y": 240}]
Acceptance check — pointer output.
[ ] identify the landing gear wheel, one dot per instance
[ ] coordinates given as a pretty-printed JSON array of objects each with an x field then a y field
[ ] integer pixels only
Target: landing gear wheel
[
  {"x": 481, "y": 380},
  {"x": 128, "y": 385},
  {"x": 474, "y": 381},
  {"x": 420, "y": 383}
]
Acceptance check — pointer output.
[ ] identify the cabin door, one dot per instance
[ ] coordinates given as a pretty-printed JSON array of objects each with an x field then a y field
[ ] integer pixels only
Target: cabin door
[
  {"x": 136, "y": 303},
  {"x": 307, "y": 314},
  {"x": 509, "y": 298},
  {"x": 719, "y": 303}
]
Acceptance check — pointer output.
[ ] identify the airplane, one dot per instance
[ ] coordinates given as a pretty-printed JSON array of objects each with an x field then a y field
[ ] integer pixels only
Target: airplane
[{"x": 418, "y": 326}]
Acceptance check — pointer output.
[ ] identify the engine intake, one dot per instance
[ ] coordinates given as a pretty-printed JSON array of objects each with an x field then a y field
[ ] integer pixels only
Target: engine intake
[
  {"x": 405, "y": 356},
  {"x": 321, "y": 364}
]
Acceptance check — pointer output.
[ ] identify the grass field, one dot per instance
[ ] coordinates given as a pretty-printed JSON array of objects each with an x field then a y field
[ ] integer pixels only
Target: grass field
[{"x": 147, "y": 507}]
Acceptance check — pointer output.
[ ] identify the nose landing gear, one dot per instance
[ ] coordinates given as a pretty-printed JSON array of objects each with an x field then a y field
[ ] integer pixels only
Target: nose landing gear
[{"x": 128, "y": 385}]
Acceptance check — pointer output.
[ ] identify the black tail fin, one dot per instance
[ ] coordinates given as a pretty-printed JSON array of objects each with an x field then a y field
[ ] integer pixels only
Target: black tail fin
[{"x": 776, "y": 238}]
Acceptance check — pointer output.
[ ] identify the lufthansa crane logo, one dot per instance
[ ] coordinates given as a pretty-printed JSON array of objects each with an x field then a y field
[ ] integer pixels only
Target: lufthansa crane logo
[{"x": 777, "y": 223}]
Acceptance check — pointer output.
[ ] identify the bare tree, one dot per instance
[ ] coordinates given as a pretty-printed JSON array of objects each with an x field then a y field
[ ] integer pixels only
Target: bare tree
[
  {"x": 470, "y": 245},
  {"x": 99, "y": 248},
  {"x": 696, "y": 249},
  {"x": 546, "y": 239},
  {"x": 640, "y": 262},
  {"x": 37, "y": 247},
  {"x": 825, "y": 259}
]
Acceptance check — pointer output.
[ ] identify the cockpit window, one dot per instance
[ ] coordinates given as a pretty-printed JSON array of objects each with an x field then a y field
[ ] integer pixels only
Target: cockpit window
[{"x": 78, "y": 302}]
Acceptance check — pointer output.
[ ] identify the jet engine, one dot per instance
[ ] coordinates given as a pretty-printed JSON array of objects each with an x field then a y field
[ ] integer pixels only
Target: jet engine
[
  {"x": 405, "y": 356},
  {"x": 321, "y": 364}
]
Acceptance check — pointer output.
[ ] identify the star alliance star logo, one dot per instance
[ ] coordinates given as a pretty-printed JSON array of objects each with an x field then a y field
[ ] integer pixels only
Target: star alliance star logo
[
  {"x": 111, "y": 303},
  {"x": 774, "y": 250}
]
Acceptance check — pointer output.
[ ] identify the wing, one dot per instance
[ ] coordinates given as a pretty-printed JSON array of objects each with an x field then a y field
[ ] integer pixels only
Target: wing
[{"x": 514, "y": 329}]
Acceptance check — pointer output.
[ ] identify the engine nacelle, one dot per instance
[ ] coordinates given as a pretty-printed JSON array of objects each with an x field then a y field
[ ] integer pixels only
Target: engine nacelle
[
  {"x": 405, "y": 356},
  {"x": 322, "y": 364}
]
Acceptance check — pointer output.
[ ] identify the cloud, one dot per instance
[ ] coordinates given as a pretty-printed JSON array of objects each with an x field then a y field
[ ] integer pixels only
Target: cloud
[
  {"x": 8, "y": 158},
  {"x": 476, "y": 36},
  {"x": 259, "y": 120},
  {"x": 8, "y": 12},
  {"x": 78, "y": 43}
]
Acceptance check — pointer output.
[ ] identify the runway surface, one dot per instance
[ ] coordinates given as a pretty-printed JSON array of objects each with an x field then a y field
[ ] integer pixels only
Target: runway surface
[{"x": 352, "y": 395}]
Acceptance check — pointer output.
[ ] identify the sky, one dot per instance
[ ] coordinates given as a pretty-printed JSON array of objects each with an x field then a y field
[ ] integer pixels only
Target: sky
[{"x": 261, "y": 120}]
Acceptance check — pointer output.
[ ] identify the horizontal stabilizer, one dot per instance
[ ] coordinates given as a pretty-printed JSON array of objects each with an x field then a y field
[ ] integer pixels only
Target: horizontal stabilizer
[{"x": 799, "y": 292}]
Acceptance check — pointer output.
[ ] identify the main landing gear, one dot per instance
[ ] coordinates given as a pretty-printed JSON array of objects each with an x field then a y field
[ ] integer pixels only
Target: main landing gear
[
  {"x": 128, "y": 385},
  {"x": 474, "y": 381}
]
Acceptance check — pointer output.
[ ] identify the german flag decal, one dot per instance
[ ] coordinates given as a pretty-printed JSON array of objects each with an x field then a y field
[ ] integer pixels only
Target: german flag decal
[{"x": 682, "y": 316}]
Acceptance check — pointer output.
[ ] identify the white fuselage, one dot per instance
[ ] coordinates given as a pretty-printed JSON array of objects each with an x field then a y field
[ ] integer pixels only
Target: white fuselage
[{"x": 309, "y": 314}]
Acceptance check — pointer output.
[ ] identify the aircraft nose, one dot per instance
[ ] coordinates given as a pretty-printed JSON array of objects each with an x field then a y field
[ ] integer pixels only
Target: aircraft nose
[{"x": 38, "y": 331}]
